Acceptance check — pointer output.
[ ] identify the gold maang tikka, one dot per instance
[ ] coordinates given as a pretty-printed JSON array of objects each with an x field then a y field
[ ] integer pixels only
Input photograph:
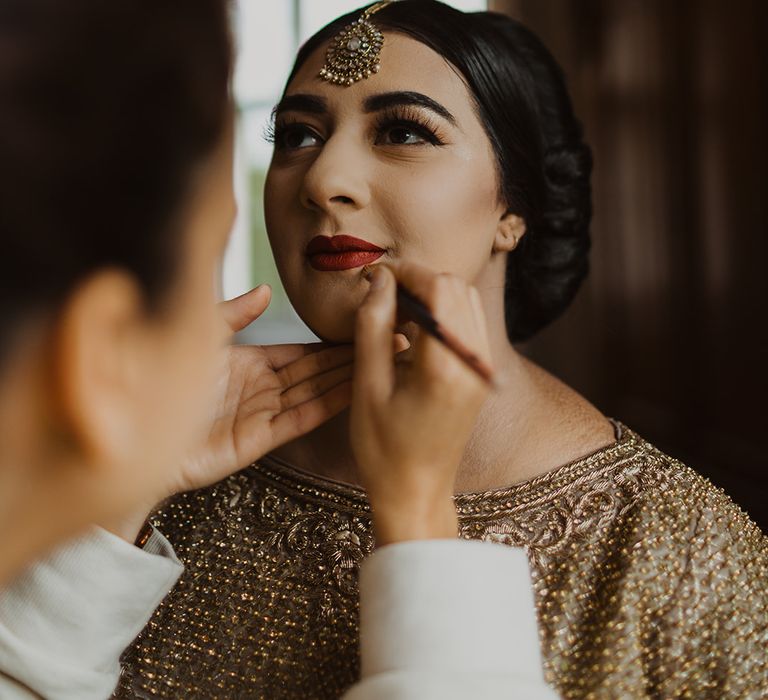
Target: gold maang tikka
[{"x": 354, "y": 52}]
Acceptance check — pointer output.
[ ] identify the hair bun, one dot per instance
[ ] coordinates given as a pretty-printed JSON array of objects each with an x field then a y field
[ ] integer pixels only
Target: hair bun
[{"x": 546, "y": 271}]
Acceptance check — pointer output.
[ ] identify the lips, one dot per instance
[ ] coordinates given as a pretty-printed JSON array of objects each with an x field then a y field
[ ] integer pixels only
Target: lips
[{"x": 335, "y": 253}]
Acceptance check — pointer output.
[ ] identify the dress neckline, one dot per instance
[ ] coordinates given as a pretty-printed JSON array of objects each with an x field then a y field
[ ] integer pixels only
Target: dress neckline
[{"x": 324, "y": 491}]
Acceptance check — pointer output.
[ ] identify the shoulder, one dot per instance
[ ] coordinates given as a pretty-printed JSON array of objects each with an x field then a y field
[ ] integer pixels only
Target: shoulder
[
  {"x": 646, "y": 575},
  {"x": 672, "y": 495},
  {"x": 667, "y": 502},
  {"x": 699, "y": 567},
  {"x": 684, "y": 543},
  {"x": 627, "y": 506}
]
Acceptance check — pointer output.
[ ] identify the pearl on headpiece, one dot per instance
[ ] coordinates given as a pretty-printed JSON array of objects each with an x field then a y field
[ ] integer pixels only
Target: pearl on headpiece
[{"x": 354, "y": 53}]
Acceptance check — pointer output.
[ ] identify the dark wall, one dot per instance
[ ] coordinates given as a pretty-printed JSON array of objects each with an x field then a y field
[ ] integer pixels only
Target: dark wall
[{"x": 669, "y": 334}]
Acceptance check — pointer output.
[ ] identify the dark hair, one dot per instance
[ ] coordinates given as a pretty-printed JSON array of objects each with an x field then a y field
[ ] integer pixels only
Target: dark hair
[
  {"x": 544, "y": 164},
  {"x": 106, "y": 108}
]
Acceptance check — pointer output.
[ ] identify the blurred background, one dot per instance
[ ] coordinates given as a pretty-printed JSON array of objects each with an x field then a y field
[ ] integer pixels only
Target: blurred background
[{"x": 668, "y": 333}]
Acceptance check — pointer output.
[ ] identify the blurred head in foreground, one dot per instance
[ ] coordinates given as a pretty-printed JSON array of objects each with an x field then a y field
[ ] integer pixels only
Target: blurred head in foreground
[{"x": 115, "y": 206}]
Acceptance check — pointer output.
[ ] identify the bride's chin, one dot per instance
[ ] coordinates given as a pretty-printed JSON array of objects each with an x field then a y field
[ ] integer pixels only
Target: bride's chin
[
  {"x": 330, "y": 310},
  {"x": 336, "y": 327}
]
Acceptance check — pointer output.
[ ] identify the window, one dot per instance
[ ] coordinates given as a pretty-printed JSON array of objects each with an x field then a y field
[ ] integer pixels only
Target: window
[{"x": 268, "y": 35}]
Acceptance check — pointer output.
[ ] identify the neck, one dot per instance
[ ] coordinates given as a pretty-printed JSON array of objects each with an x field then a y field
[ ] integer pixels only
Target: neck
[
  {"x": 43, "y": 489},
  {"x": 38, "y": 509},
  {"x": 498, "y": 452},
  {"x": 531, "y": 425}
]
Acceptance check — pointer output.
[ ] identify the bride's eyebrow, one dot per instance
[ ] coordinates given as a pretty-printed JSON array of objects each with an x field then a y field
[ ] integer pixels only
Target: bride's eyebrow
[
  {"x": 315, "y": 104},
  {"x": 300, "y": 102},
  {"x": 387, "y": 100}
]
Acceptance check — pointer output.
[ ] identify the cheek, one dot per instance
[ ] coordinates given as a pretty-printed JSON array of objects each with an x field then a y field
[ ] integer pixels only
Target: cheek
[
  {"x": 441, "y": 214},
  {"x": 325, "y": 303},
  {"x": 281, "y": 211},
  {"x": 282, "y": 215},
  {"x": 445, "y": 217}
]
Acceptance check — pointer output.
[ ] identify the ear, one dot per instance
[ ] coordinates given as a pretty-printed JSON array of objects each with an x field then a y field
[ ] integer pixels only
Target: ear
[
  {"x": 96, "y": 354},
  {"x": 509, "y": 232}
]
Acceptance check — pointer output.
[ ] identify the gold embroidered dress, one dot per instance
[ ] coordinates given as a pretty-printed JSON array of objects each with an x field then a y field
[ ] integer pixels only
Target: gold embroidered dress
[{"x": 649, "y": 583}]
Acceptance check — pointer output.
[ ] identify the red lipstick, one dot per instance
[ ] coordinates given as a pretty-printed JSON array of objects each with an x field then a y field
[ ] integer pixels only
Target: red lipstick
[{"x": 335, "y": 253}]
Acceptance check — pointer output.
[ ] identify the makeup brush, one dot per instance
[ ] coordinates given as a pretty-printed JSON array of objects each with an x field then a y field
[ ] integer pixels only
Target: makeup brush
[{"x": 411, "y": 308}]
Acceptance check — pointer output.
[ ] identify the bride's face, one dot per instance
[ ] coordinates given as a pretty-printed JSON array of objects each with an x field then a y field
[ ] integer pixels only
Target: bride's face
[{"x": 399, "y": 161}]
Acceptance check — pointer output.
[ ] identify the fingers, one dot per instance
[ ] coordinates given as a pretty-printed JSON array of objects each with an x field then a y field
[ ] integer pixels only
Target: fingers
[
  {"x": 243, "y": 310},
  {"x": 374, "y": 363},
  {"x": 307, "y": 416},
  {"x": 281, "y": 355},
  {"x": 457, "y": 307},
  {"x": 427, "y": 285},
  {"x": 320, "y": 357},
  {"x": 271, "y": 396},
  {"x": 438, "y": 364},
  {"x": 400, "y": 343},
  {"x": 315, "y": 386},
  {"x": 417, "y": 278},
  {"x": 314, "y": 363},
  {"x": 440, "y": 292}
]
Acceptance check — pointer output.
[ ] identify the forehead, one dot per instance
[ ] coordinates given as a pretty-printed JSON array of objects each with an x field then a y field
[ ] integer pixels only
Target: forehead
[{"x": 406, "y": 65}]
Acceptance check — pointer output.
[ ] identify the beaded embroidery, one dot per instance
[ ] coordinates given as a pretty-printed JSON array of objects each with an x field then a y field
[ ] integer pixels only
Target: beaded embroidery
[{"x": 649, "y": 582}]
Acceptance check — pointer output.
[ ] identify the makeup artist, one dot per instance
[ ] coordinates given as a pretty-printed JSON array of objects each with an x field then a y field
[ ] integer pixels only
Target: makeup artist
[{"x": 115, "y": 206}]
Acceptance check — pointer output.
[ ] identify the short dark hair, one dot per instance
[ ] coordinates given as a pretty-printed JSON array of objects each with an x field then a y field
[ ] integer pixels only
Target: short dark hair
[
  {"x": 543, "y": 162},
  {"x": 106, "y": 107}
]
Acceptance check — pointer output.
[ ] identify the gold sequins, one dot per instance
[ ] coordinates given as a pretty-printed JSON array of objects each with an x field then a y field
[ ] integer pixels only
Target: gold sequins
[{"x": 649, "y": 582}]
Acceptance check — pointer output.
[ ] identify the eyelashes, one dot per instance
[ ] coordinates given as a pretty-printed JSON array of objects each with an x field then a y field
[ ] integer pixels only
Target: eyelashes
[
  {"x": 269, "y": 132},
  {"x": 406, "y": 127},
  {"x": 409, "y": 119},
  {"x": 278, "y": 132}
]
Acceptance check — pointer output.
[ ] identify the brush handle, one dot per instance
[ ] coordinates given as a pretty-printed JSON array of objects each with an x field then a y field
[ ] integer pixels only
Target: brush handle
[{"x": 415, "y": 310}]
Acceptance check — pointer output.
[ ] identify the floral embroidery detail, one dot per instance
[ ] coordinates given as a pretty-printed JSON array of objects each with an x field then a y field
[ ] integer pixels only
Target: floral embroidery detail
[
  {"x": 648, "y": 581},
  {"x": 329, "y": 544}
]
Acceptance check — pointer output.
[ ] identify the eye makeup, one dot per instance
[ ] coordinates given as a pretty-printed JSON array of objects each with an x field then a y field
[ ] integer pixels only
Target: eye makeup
[
  {"x": 408, "y": 119},
  {"x": 285, "y": 132}
]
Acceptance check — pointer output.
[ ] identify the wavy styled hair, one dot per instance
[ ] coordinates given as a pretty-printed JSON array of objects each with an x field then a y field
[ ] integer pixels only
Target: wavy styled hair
[{"x": 543, "y": 162}]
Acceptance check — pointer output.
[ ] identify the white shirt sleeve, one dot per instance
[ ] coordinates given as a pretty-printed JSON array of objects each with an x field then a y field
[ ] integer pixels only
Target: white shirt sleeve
[
  {"x": 448, "y": 619},
  {"x": 439, "y": 619},
  {"x": 65, "y": 622}
]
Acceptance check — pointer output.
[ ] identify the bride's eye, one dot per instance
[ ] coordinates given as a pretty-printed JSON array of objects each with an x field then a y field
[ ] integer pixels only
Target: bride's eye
[
  {"x": 292, "y": 137},
  {"x": 406, "y": 129},
  {"x": 403, "y": 135}
]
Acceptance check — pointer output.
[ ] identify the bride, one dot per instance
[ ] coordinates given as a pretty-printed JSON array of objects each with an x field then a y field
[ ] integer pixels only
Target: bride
[{"x": 454, "y": 146}]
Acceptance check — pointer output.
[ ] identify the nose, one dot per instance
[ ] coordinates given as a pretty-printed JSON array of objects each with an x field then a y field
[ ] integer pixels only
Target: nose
[{"x": 337, "y": 179}]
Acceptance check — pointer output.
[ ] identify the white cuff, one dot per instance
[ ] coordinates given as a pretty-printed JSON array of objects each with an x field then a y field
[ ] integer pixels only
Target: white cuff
[
  {"x": 411, "y": 685},
  {"x": 65, "y": 622},
  {"x": 449, "y": 606}
]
